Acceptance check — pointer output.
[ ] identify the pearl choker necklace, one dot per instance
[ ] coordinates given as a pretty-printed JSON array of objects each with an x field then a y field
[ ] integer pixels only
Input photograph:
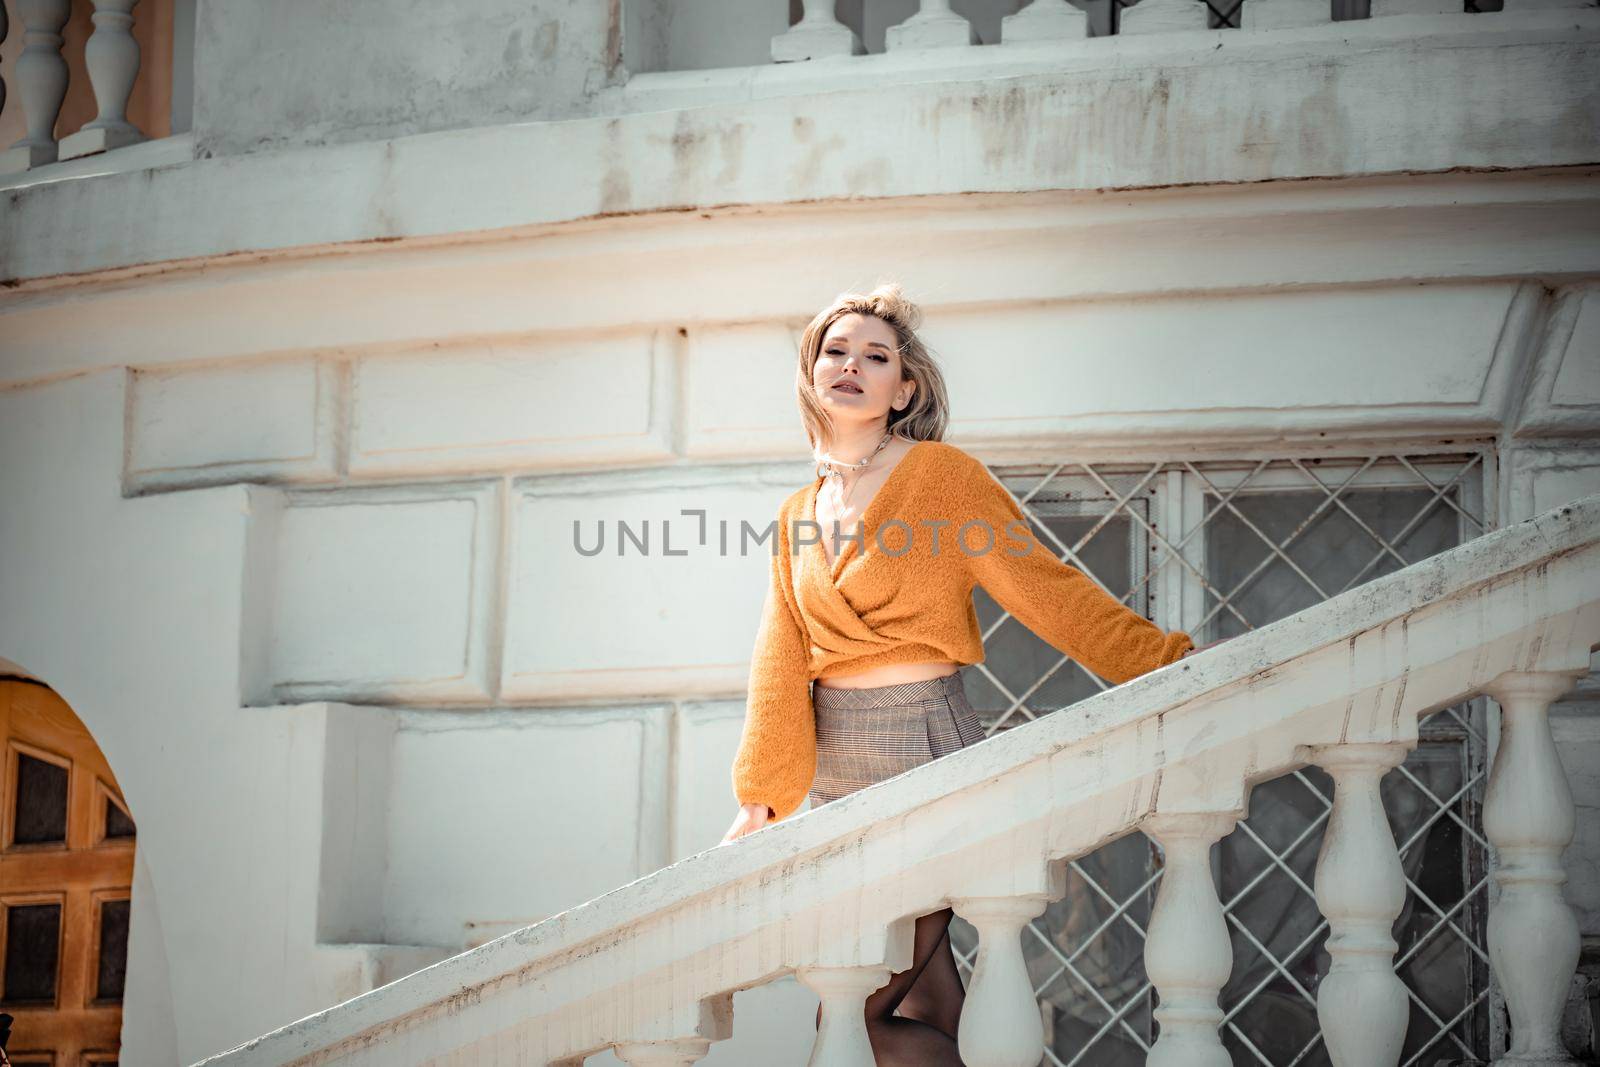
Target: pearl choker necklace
[{"x": 827, "y": 465}]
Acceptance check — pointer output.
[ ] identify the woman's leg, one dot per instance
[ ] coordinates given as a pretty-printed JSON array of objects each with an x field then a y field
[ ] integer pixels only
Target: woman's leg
[
  {"x": 897, "y": 1040},
  {"x": 936, "y": 996}
]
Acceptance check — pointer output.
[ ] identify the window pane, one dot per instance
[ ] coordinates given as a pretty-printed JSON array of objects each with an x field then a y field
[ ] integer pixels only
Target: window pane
[
  {"x": 33, "y": 935},
  {"x": 1334, "y": 550},
  {"x": 41, "y": 801},
  {"x": 113, "y": 949},
  {"x": 117, "y": 822}
]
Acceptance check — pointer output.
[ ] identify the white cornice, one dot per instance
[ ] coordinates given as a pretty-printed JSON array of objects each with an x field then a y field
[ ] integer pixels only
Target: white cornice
[{"x": 1405, "y": 94}]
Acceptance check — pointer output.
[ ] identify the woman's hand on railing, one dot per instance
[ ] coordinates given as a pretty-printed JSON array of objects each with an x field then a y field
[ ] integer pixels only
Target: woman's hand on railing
[
  {"x": 1202, "y": 648},
  {"x": 751, "y": 818}
]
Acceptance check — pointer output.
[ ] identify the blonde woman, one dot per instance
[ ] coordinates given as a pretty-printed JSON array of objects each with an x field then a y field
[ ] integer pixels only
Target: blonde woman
[{"x": 869, "y": 619}]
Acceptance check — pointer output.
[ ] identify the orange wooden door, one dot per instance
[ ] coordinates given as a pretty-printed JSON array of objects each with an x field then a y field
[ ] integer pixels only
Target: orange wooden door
[{"x": 66, "y": 877}]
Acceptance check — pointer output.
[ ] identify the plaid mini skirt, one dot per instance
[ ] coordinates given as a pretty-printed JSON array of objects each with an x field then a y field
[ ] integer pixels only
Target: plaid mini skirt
[{"x": 867, "y": 735}]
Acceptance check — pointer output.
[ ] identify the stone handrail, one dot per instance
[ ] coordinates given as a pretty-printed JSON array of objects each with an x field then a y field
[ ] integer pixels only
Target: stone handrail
[{"x": 832, "y": 895}]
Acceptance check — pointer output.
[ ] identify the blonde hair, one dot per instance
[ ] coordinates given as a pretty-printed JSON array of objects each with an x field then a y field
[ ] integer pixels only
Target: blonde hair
[{"x": 925, "y": 418}]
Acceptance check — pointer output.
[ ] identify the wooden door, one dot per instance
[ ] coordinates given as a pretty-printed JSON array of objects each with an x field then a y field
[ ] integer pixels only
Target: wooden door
[{"x": 66, "y": 876}]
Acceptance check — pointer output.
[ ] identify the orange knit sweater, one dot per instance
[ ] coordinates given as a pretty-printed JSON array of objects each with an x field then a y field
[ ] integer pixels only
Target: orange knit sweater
[{"x": 901, "y": 592}]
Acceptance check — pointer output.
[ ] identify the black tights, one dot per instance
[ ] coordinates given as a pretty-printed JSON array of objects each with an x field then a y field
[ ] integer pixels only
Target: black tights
[{"x": 928, "y": 996}]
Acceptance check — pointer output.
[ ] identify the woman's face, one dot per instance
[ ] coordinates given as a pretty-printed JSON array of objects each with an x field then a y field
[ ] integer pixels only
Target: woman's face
[{"x": 857, "y": 374}]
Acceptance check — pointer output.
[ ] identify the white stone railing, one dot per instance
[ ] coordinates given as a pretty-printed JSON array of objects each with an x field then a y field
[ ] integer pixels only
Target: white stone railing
[
  {"x": 40, "y": 81},
  {"x": 832, "y": 895},
  {"x": 820, "y": 34}
]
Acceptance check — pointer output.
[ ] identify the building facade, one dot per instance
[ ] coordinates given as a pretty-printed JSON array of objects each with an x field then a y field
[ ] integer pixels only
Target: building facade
[{"x": 322, "y": 353}]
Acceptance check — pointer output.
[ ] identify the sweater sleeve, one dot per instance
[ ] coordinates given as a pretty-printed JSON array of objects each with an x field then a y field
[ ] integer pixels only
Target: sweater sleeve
[
  {"x": 1052, "y": 598},
  {"x": 777, "y": 756}
]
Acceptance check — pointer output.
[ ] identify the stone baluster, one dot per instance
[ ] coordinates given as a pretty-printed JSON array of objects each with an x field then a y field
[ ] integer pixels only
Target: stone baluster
[
  {"x": 1044, "y": 20},
  {"x": 1187, "y": 953},
  {"x": 933, "y": 26},
  {"x": 1528, "y": 816},
  {"x": 112, "y": 56},
  {"x": 1164, "y": 16},
  {"x": 681, "y": 1052},
  {"x": 1360, "y": 887},
  {"x": 41, "y": 77},
  {"x": 842, "y": 1033},
  {"x": 1284, "y": 14},
  {"x": 1000, "y": 1021},
  {"x": 818, "y": 34}
]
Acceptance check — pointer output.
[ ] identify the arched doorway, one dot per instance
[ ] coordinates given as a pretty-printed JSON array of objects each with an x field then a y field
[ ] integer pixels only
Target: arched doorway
[{"x": 66, "y": 876}]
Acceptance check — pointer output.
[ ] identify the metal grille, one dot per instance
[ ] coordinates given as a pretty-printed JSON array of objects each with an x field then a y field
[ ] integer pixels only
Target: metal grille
[
  {"x": 1105, "y": 16},
  {"x": 1217, "y": 548}
]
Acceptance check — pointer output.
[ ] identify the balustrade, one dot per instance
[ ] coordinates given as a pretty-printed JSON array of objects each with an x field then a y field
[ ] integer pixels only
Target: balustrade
[
  {"x": 112, "y": 56},
  {"x": 1044, "y": 20},
  {"x": 41, "y": 83},
  {"x": 817, "y": 35},
  {"x": 1187, "y": 953},
  {"x": 40, "y": 79},
  {"x": 934, "y": 25},
  {"x": 1361, "y": 1003},
  {"x": 1528, "y": 817},
  {"x": 1000, "y": 1021}
]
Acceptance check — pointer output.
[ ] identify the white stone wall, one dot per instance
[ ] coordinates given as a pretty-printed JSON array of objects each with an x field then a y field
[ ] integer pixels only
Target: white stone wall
[{"x": 266, "y": 77}]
